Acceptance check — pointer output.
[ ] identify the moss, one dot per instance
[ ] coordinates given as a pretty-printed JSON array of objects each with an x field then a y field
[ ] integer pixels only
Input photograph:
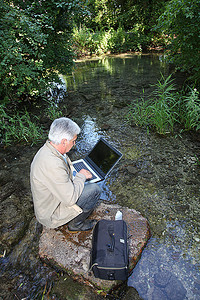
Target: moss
[{"x": 132, "y": 153}]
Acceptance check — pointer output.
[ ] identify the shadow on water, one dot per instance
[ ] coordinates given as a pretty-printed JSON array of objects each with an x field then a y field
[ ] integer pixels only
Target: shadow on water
[{"x": 156, "y": 176}]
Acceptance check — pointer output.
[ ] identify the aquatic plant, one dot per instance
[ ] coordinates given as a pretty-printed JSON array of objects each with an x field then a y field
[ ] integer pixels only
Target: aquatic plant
[
  {"x": 191, "y": 110},
  {"x": 163, "y": 113},
  {"x": 139, "y": 112},
  {"x": 166, "y": 107},
  {"x": 18, "y": 128},
  {"x": 160, "y": 111},
  {"x": 52, "y": 111},
  {"x": 197, "y": 161}
]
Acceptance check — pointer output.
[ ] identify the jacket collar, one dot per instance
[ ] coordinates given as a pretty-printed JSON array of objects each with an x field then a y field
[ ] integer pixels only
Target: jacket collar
[{"x": 65, "y": 159}]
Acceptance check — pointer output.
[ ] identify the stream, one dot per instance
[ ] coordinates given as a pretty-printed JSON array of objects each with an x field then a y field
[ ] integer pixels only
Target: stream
[{"x": 157, "y": 176}]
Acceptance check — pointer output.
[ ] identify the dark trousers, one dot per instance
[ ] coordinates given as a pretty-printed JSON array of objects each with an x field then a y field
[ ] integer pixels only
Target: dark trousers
[{"x": 89, "y": 197}]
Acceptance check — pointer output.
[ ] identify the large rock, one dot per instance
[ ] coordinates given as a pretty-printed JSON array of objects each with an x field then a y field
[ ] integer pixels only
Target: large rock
[{"x": 71, "y": 251}]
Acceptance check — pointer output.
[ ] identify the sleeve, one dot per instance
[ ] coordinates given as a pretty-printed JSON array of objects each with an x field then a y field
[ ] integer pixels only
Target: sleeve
[{"x": 60, "y": 185}]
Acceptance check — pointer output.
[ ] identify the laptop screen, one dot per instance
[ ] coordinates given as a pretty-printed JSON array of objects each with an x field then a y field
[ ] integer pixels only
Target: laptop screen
[{"x": 104, "y": 155}]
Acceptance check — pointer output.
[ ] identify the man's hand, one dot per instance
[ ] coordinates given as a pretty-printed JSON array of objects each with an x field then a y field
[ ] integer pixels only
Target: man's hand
[{"x": 87, "y": 173}]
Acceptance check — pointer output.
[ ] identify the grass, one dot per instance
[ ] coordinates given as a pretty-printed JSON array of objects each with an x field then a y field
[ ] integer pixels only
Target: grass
[
  {"x": 191, "y": 112},
  {"x": 18, "y": 128},
  {"x": 52, "y": 111},
  {"x": 23, "y": 127},
  {"x": 166, "y": 107},
  {"x": 139, "y": 112}
]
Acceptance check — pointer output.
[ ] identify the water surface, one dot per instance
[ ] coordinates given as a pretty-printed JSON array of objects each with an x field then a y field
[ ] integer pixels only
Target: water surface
[{"x": 157, "y": 176}]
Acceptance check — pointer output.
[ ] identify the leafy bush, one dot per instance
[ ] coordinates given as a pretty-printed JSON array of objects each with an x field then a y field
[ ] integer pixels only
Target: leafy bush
[
  {"x": 181, "y": 21},
  {"x": 115, "y": 41},
  {"x": 23, "y": 127},
  {"x": 34, "y": 45},
  {"x": 82, "y": 40}
]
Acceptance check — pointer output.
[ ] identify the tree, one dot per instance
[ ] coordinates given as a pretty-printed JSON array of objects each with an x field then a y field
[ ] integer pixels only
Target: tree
[
  {"x": 34, "y": 44},
  {"x": 181, "y": 21},
  {"x": 126, "y": 13}
]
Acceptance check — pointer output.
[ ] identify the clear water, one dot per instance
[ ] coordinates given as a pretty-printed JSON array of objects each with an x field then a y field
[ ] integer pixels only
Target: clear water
[
  {"x": 157, "y": 176},
  {"x": 166, "y": 187}
]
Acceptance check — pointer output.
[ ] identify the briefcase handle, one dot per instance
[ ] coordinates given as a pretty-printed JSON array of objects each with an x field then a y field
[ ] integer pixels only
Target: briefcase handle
[{"x": 112, "y": 236}]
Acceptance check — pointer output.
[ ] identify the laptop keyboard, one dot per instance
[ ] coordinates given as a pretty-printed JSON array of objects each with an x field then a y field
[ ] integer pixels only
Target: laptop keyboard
[{"x": 80, "y": 165}]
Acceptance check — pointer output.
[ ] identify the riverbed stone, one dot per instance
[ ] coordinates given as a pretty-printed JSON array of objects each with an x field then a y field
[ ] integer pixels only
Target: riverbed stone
[
  {"x": 175, "y": 289},
  {"x": 15, "y": 213},
  {"x": 70, "y": 252},
  {"x": 162, "y": 278},
  {"x": 133, "y": 170}
]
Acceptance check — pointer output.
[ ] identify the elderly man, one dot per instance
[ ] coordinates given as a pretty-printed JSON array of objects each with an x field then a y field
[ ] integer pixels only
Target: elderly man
[{"x": 58, "y": 197}]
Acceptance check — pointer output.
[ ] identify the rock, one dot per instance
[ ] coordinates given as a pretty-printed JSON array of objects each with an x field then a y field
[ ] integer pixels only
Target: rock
[
  {"x": 15, "y": 213},
  {"x": 105, "y": 126},
  {"x": 131, "y": 294},
  {"x": 175, "y": 289},
  {"x": 71, "y": 251},
  {"x": 133, "y": 170},
  {"x": 162, "y": 278},
  {"x": 158, "y": 294}
]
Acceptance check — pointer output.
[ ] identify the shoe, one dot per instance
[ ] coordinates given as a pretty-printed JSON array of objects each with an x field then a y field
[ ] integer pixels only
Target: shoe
[
  {"x": 83, "y": 226},
  {"x": 80, "y": 223}
]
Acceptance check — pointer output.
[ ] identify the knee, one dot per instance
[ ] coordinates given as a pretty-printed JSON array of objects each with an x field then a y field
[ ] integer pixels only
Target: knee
[{"x": 98, "y": 189}]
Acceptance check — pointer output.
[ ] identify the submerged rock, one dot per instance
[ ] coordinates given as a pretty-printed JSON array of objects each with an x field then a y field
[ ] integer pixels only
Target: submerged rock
[{"x": 71, "y": 251}]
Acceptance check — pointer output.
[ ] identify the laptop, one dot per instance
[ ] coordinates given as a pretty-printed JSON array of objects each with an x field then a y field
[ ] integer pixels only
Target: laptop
[{"x": 100, "y": 161}]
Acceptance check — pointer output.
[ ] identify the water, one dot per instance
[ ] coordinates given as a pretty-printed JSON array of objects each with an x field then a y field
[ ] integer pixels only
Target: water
[
  {"x": 166, "y": 186},
  {"x": 157, "y": 176}
]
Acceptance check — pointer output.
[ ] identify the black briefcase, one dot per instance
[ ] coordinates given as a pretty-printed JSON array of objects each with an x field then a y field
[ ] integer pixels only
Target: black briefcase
[{"x": 109, "y": 255}]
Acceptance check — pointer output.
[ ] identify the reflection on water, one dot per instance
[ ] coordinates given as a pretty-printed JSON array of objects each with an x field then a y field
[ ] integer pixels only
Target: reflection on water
[
  {"x": 130, "y": 68},
  {"x": 161, "y": 182}
]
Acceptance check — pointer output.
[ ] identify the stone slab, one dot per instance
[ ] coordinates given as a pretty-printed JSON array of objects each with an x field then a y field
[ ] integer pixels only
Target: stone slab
[{"x": 71, "y": 251}]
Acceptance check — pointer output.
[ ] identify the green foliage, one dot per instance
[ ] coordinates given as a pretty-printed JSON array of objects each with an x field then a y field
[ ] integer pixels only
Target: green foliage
[
  {"x": 22, "y": 127},
  {"x": 85, "y": 42},
  {"x": 191, "y": 110},
  {"x": 181, "y": 21},
  {"x": 101, "y": 40},
  {"x": 139, "y": 113},
  {"x": 52, "y": 111},
  {"x": 102, "y": 14},
  {"x": 117, "y": 40},
  {"x": 82, "y": 40},
  {"x": 106, "y": 14},
  {"x": 34, "y": 45},
  {"x": 163, "y": 113},
  {"x": 18, "y": 128},
  {"x": 158, "y": 112},
  {"x": 18, "y": 44},
  {"x": 165, "y": 108}
]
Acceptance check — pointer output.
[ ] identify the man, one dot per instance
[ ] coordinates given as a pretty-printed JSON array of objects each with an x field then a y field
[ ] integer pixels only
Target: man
[{"x": 58, "y": 197}]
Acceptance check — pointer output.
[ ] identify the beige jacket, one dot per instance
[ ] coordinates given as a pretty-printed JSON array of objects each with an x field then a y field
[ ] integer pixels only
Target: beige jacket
[{"x": 54, "y": 190}]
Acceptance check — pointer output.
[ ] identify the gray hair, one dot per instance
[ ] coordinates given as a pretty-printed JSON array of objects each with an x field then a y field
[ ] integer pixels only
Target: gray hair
[{"x": 63, "y": 128}]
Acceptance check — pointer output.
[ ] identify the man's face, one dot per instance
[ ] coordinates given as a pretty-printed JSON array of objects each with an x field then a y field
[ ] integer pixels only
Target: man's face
[{"x": 67, "y": 145}]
